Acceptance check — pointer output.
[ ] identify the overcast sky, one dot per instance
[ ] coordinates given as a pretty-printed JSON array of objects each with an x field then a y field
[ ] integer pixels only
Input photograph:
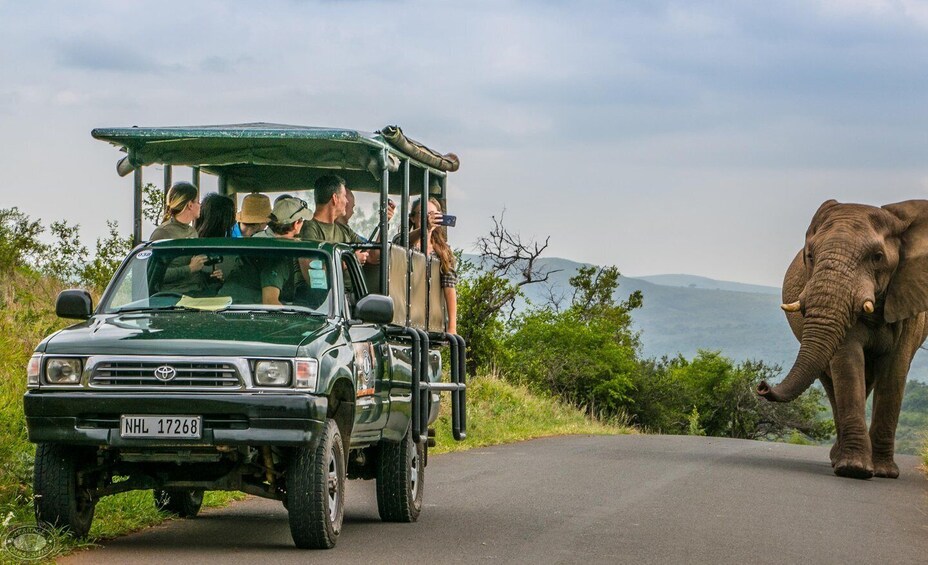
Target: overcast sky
[{"x": 660, "y": 137}]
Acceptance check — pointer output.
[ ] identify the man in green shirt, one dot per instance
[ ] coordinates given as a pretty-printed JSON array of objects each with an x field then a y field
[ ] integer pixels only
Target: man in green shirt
[{"x": 332, "y": 200}]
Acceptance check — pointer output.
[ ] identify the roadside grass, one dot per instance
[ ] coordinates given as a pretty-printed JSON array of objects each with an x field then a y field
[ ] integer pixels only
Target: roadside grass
[
  {"x": 499, "y": 412},
  {"x": 26, "y": 316}
]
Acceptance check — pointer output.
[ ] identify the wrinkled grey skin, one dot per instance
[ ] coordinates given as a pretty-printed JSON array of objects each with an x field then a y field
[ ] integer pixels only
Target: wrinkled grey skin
[{"x": 857, "y": 256}]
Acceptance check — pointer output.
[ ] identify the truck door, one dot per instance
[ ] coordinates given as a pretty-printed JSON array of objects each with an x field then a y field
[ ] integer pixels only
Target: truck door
[{"x": 372, "y": 358}]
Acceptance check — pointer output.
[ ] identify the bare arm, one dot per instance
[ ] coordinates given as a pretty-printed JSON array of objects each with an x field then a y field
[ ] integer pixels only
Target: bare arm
[
  {"x": 451, "y": 299},
  {"x": 270, "y": 295}
]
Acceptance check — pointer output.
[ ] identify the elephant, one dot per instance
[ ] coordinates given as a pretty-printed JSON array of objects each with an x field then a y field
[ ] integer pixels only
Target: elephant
[{"x": 856, "y": 298}]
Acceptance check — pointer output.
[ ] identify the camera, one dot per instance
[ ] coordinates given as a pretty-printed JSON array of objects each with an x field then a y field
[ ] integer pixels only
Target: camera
[
  {"x": 448, "y": 220},
  {"x": 212, "y": 260}
]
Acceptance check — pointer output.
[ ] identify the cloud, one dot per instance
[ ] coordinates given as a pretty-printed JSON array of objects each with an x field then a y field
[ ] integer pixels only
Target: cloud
[{"x": 96, "y": 55}]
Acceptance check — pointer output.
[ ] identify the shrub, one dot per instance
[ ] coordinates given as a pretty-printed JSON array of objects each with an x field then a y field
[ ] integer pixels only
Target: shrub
[{"x": 19, "y": 239}]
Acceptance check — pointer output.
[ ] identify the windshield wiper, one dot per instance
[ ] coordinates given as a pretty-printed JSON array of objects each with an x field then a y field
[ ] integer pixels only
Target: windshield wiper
[
  {"x": 174, "y": 308},
  {"x": 272, "y": 309}
]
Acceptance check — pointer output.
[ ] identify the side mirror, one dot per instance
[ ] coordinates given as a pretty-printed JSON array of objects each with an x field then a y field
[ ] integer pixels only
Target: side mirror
[
  {"x": 74, "y": 303},
  {"x": 374, "y": 309}
]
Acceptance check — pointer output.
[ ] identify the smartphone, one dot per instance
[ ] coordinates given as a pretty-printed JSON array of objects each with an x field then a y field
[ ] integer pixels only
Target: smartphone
[{"x": 448, "y": 220}]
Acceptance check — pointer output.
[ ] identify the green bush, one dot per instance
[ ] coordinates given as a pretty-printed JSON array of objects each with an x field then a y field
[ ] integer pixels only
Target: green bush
[
  {"x": 110, "y": 251},
  {"x": 19, "y": 239},
  {"x": 586, "y": 354},
  {"x": 670, "y": 391}
]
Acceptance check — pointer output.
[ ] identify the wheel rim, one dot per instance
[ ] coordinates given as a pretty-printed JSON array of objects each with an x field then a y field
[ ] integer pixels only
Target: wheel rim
[
  {"x": 332, "y": 482},
  {"x": 414, "y": 474}
]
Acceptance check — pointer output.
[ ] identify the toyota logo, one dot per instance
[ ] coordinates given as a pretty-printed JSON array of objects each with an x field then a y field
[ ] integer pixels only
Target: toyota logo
[{"x": 165, "y": 373}]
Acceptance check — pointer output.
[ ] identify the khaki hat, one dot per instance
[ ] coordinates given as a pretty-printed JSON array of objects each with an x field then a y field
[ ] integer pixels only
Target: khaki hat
[
  {"x": 255, "y": 209},
  {"x": 289, "y": 210}
]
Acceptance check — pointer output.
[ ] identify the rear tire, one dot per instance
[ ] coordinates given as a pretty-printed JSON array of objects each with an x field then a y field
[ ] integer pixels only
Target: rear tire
[
  {"x": 400, "y": 480},
  {"x": 59, "y": 500},
  {"x": 316, "y": 491},
  {"x": 184, "y": 503}
]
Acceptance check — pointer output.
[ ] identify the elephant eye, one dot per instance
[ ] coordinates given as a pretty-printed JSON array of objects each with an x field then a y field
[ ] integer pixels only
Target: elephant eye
[{"x": 878, "y": 257}]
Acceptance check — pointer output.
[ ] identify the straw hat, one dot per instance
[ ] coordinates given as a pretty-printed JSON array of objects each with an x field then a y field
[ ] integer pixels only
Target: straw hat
[{"x": 255, "y": 209}]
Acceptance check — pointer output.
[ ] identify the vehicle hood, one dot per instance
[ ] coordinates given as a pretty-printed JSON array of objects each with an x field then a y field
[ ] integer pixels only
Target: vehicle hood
[{"x": 191, "y": 333}]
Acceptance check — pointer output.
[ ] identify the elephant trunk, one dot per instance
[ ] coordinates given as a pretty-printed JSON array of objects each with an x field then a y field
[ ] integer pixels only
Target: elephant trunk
[{"x": 829, "y": 313}]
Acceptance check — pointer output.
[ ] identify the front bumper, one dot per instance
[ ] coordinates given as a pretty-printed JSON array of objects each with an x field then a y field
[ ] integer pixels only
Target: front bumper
[{"x": 92, "y": 418}]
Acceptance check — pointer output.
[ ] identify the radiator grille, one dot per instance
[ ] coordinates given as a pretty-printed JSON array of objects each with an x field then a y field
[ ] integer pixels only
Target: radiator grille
[{"x": 199, "y": 374}]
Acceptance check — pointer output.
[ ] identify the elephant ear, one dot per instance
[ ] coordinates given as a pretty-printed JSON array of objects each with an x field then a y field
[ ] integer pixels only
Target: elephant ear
[
  {"x": 907, "y": 294},
  {"x": 819, "y": 216}
]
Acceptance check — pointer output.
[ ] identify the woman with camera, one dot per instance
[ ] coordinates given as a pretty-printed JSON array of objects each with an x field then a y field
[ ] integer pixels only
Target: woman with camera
[{"x": 437, "y": 245}]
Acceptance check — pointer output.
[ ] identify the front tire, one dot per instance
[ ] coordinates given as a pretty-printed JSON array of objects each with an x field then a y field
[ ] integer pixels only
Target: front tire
[
  {"x": 60, "y": 500},
  {"x": 400, "y": 480},
  {"x": 316, "y": 491},
  {"x": 184, "y": 503}
]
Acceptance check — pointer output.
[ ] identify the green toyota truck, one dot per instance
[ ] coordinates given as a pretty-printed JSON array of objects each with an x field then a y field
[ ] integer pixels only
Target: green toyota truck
[{"x": 204, "y": 389}]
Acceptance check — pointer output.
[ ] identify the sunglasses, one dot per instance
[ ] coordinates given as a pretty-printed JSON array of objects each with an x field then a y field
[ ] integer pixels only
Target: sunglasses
[{"x": 303, "y": 206}]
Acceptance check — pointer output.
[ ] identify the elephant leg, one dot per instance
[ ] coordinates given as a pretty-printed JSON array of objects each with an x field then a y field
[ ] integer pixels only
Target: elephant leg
[
  {"x": 889, "y": 387},
  {"x": 829, "y": 387},
  {"x": 854, "y": 455}
]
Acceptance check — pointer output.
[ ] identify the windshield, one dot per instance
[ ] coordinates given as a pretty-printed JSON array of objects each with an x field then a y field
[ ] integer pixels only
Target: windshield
[{"x": 214, "y": 279}]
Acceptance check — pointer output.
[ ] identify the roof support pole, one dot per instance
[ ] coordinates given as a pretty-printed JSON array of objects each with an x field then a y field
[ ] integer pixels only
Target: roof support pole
[
  {"x": 137, "y": 207},
  {"x": 195, "y": 176},
  {"x": 223, "y": 185},
  {"x": 167, "y": 178},
  {"x": 424, "y": 243},
  {"x": 424, "y": 214},
  {"x": 404, "y": 206},
  {"x": 384, "y": 231},
  {"x": 404, "y": 235}
]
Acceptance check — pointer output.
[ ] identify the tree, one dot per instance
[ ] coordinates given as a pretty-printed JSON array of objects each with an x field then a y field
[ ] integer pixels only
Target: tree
[
  {"x": 110, "y": 251},
  {"x": 585, "y": 354},
  {"x": 64, "y": 258},
  {"x": 19, "y": 239},
  {"x": 153, "y": 203},
  {"x": 486, "y": 290}
]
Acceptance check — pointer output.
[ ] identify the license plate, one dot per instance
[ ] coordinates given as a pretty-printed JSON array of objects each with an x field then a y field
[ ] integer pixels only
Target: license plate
[{"x": 183, "y": 427}]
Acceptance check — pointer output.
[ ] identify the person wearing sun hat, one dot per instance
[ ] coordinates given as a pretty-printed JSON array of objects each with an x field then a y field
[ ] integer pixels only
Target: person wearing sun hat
[
  {"x": 286, "y": 219},
  {"x": 271, "y": 279},
  {"x": 253, "y": 216}
]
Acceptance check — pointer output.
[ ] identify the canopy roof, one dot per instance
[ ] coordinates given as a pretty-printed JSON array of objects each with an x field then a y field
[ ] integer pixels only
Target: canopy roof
[{"x": 269, "y": 157}]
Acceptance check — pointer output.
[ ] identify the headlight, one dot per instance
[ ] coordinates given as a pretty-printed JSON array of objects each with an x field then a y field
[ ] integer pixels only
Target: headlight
[
  {"x": 63, "y": 371},
  {"x": 32, "y": 371},
  {"x": 272, "y": 373},
  {"x": 306, "y": 370}
]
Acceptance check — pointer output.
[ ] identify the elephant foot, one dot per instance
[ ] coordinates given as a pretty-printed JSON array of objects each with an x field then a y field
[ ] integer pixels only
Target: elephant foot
[
  {"x": 886, "y": 469},
  {"x": 835, "y": 454},
  {"x": 853, "y": 468}
]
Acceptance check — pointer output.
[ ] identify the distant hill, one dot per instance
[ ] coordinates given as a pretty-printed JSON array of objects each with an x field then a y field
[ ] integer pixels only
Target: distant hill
[
  {"x": 684, "y": 313},
  {"x": 692, "y": 281}
]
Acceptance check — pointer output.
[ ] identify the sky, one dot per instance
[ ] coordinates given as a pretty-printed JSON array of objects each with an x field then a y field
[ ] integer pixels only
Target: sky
[{"x": 659, "y": 137}]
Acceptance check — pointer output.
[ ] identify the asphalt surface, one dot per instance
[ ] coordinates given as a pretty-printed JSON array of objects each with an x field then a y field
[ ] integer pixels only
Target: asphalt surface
[{"x": 581, "y": 499}]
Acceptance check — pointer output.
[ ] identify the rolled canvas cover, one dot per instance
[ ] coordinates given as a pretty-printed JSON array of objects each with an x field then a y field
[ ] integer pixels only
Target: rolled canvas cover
[{"x": 395, "y": 137}]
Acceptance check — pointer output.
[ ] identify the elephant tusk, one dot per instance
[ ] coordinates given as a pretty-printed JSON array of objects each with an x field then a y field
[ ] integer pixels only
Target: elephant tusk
[
  {"x": 868, "y": 306},
  {"x": 792, "y": 307}
]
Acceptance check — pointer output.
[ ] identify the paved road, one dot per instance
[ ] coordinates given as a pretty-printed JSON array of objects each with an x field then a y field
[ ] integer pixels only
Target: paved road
[{"x": 626, "y": 499}]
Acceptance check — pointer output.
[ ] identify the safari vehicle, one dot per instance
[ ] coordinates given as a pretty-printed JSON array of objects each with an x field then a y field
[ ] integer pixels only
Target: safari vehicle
[{"x": 184, "y": 390}]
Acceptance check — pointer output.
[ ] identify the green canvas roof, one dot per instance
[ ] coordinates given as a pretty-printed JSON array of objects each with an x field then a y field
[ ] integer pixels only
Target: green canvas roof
[{"x": 263, "y": 156}]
